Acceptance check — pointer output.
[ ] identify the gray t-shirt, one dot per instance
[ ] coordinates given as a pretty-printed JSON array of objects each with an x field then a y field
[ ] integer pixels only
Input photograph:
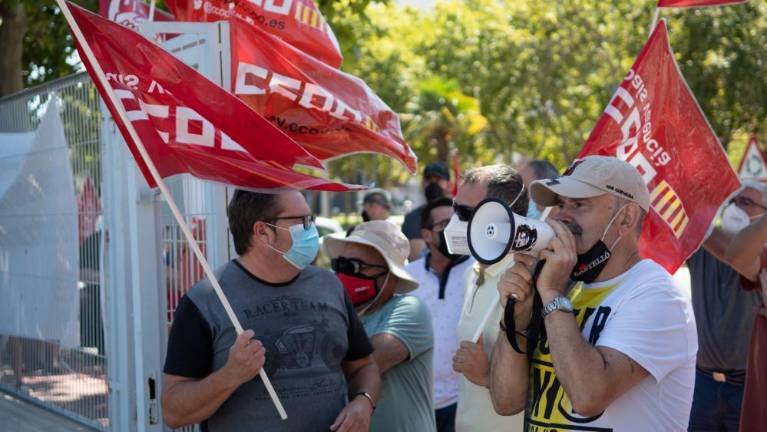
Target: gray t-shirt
[
  {"x": 724, "y": 313},
  {"x": 308, "y": 327},
  {"x": 406, "y": 400}
]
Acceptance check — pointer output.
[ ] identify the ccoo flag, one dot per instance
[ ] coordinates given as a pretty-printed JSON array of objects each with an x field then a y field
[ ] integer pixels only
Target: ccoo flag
[
  {"x": 330, "y": 113},
  {"x": 297, "y": 22},
  {"x": 696, "y": 3},
  {"x": 187, "y": 123},
  {"x": 654, "y": 122}
]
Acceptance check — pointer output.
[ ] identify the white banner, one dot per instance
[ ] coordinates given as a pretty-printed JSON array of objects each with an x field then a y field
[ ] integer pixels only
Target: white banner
[{"x": 39, "y": 260}]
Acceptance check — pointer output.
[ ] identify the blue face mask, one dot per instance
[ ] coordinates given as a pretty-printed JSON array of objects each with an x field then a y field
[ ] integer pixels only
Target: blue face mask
[
  {"x": 532, "y": 210},
  {"x": 306, "y": 245}
]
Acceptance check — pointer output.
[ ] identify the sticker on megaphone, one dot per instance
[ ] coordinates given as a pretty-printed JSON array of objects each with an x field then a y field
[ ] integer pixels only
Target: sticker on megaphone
[{"x": 495, "y": 231}]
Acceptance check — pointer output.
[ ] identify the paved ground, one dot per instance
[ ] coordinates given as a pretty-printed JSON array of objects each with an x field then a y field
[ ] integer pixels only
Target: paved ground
[{"x": 19, "y": 416}]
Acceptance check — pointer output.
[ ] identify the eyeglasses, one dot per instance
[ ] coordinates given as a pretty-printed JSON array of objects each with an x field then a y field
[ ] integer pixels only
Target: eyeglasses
[
  {"x": 442, "y": 223},
  {"x": 742, "y": 202},
  {"x": 463, "y": 212},
  {"x": 355, "y": 267},
  {"x": 306, "y": 221}
]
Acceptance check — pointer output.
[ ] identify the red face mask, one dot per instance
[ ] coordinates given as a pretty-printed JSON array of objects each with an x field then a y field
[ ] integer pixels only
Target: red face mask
[{"x": 360, "y": 289}]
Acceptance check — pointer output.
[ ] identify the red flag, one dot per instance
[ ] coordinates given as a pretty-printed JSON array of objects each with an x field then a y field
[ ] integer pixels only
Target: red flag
[
  {"x": 130, "y": 12},
  {"x": 697, "y": 3},
  {"x": 328, "y": 112},
  {"x": 88, "y": 210},
  {"x": 456, "y": 171},
  {"x": 298, "y": 22},
  {"x": 187, "y": 123},
  {"x": 654, "y": 122}
]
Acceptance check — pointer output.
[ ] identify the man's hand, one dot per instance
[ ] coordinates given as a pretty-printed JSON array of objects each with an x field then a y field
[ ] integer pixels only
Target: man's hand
[
  {"x": 355, "y": 417},
  {"x": 516, "y": 283},
  {"x": 560, "y": 256},
  {"x": 246, "y": 358},
  {"x": 471, "y": 361}
]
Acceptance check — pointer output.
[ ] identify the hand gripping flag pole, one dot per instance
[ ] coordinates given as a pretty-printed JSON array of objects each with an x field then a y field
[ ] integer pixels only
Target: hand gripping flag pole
[{"x": 165, "y": 192}]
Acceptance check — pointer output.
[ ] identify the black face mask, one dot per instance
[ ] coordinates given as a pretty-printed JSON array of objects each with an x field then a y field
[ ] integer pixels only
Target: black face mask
[
  {"x": 591, "y": 263},
  {"x": 365, "y": 216},
  {"x": 433, "y": 191},
  {"x": 594, "y": 260},
  {"x": 442, "y": 246}
]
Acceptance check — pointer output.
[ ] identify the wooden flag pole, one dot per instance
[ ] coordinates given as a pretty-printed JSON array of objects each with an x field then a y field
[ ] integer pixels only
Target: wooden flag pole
[{"x": 165, "y": 192}]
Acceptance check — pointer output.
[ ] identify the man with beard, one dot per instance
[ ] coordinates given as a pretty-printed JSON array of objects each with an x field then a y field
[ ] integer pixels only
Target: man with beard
[
  {"x": 614, "y": 351},
  {"x": 441, "y": 279}
]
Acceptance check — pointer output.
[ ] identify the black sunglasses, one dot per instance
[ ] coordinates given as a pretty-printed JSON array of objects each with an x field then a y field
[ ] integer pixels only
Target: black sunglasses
[
  {"x": 463, "y": 212},
  {"x": 355, "y": 267},
  {"x": 742, "y": 201},
  {"x": 306, "y": 221}
]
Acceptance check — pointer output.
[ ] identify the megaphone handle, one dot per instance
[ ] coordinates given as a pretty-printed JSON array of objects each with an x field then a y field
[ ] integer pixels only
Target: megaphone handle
[
  {"x": 508, "y": 321},
  {"x": 508, "y": 313}
]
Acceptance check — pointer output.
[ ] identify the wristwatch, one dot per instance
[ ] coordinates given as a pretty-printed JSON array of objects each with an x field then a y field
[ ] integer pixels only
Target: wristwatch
[{"x": 559, "y": 303}]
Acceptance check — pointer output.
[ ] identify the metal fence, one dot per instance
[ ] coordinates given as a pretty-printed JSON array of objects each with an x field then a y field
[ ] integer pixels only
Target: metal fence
[{"x": 69, "y": 380}]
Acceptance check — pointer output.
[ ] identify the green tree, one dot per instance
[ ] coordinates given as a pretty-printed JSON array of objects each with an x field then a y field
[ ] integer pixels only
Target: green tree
[{"x": 35, "y": 43}]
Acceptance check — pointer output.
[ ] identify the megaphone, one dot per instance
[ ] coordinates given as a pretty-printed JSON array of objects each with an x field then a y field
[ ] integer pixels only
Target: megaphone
[{"x": 495, "y": 231}]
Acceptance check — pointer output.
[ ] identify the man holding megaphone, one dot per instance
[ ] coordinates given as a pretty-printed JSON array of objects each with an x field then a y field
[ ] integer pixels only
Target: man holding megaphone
[
  {"x": 477, "y": 333},
  {"x": 616, "y": 339}
]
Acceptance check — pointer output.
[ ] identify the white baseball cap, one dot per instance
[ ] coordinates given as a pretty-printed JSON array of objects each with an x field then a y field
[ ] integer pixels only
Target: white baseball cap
[
  {"x": 384, "y": 237},
  {"x": 593, "y": 176}
]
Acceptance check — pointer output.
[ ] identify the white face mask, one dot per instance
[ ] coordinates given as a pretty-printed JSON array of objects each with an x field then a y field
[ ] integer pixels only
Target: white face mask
[
  {"x": 734, "y": 219},
  {"x": 456, "y": 232},
  {"x": 457, "y": 237}
]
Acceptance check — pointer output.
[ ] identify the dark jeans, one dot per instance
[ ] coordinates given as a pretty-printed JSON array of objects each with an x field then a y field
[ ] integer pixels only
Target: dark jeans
[
  {"x": 715, "y": 406},
  {"x": 446, "y": 418}
]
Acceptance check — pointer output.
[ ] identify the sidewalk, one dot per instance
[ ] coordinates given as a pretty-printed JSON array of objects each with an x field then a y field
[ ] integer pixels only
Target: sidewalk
[{"x": 19, "y": 416}]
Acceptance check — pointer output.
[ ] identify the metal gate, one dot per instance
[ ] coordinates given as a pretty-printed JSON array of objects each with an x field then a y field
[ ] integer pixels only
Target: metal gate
[{"x": 69, "y": 380}]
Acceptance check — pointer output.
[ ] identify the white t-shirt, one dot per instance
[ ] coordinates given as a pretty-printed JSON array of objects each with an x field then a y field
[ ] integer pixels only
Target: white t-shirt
[
  {"x": 642, "y": 314},
  {"x": 445, "y": 312}
]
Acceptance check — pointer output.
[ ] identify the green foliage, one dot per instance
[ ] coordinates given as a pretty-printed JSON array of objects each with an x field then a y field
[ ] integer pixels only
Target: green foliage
[{"x": 496, "y": 78}]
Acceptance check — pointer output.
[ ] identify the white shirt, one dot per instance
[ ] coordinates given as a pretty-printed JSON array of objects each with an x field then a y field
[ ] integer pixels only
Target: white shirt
[
  {"x": 445, "y": 312},
  {"x": 642, "y": 314},
  {"x": 475, "y": 407}
]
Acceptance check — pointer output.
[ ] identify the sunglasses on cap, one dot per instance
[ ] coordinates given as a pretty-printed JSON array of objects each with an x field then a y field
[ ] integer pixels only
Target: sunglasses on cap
[
  {"x": 463, "y": 212},
  {"x": 355, "y": 267},
  {"x": 742, "y": 202}
]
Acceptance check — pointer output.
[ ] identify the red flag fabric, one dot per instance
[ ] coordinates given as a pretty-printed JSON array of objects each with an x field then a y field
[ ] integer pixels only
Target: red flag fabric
[
  {"x": 697, "y": 3},
  {"x": 88, "y": 210},
  {"x": 130, "y": 12},
  {"x": 654, "y": 122},
  {"x": 328, "y": 112},
  {"x": 298, "y": 22},
  {"x": 187, "y": 123}
]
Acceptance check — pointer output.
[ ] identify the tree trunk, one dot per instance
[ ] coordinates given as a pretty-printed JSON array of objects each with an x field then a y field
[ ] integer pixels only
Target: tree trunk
[{"x": 12, "y": 30}]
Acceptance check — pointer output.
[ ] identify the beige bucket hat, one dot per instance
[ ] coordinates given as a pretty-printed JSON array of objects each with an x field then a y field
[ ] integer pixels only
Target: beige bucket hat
[{"x": 384, "y": 237}]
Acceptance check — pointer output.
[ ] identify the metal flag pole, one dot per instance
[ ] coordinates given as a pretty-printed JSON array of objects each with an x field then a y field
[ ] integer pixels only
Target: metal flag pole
[{"x": 165, "y": 192}]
